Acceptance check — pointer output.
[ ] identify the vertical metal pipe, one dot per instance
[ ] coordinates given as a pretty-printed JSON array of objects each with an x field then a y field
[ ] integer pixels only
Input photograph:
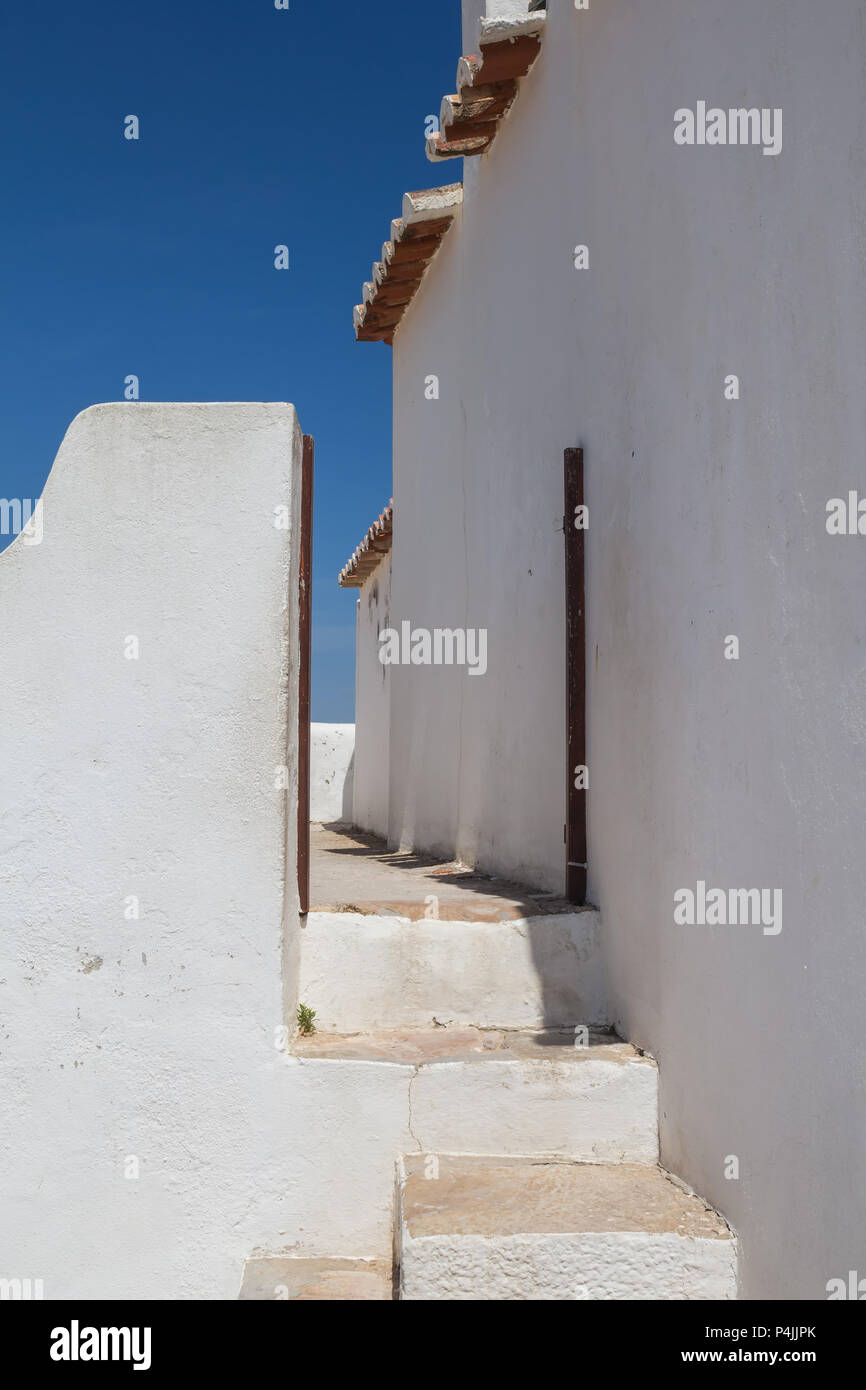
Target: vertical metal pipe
[
  {"x": 305, "y": 599},
  {"x": 575, "y": 629}
]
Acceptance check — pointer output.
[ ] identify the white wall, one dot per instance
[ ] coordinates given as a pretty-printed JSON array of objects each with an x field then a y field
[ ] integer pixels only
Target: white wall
[
  {"x": 474, "y": 10},
  {"x": 706, "y": 518},
  {"x": 477, "y": 762},
  {"x": 332, "y": 762},
  {"x": 150, "y": 1039},
  {"x": 372, "y": 703}
]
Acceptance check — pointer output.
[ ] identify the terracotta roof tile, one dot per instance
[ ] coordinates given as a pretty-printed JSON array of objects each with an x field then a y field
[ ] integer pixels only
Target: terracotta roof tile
[
  {"x": 375, "y": 544},
  {"x": 486, "y": 86},
  {"x": 415, "y": 239}
]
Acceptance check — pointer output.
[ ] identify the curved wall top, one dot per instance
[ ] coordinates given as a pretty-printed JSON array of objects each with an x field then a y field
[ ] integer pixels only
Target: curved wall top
[{"x": 147, "y": 684}]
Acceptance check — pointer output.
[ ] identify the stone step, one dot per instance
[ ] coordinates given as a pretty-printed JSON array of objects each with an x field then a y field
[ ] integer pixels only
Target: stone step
[
  {"x": 362, "y": 972},
  {"x": 284, "y": 1278},
  {"x": 502, "y": 1091},
  {"x": 473, "y": 1228}
]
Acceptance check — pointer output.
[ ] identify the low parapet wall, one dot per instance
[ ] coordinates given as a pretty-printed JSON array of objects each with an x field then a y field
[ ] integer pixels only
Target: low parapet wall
[
  {"x": 332, "y": 764},
  {"x": 148, "y": 694}
]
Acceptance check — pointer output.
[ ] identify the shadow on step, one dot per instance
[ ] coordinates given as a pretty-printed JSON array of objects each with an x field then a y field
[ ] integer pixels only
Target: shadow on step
[{"x": 351, "y": 870}]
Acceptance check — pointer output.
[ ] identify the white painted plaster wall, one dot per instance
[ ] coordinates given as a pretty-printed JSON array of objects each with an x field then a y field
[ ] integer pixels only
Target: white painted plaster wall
[
  {"x": 477, "y": 764},
  {"x": 706, "y": 518},
  {"x": 372, "y": 703},
  {"x": 332, "y": 752},
  {"x": 473, "y": 11},
  {"x": 154, "y": 1039}
]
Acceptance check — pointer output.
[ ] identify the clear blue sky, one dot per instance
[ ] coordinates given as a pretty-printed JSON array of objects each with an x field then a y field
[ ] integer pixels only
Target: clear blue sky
[{"x": 258, "y": 127}]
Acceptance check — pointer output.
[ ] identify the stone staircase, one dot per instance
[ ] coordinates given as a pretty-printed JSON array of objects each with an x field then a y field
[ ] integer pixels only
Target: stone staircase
[
  {"x": 511, "y": 1157},
  {"x": 518, "y": 1228}
]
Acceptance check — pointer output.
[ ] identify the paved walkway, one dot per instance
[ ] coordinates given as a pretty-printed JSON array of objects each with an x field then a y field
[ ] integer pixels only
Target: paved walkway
[{"x": 351, "y": 871}]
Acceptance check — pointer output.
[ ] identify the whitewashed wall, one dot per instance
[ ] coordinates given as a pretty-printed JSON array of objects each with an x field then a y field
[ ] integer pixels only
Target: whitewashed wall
[
  {"x": 706, "y": 519},
  {"x": 473, "y": 11},
  {"x": 477, "y": 761},
  {"x": 332, "y": 764},
  {"x": 150, "y": 1122},
  {"x": 372, "y": 703}
]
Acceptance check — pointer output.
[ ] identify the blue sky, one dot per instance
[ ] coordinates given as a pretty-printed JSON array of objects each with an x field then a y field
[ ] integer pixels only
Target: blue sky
[{"x": 258, "y": 127}]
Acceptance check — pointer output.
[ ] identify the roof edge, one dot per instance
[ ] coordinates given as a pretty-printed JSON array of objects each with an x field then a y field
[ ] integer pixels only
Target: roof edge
[
  {"x": 366, "y": 557},
  {"x": 415, "y": 238}
]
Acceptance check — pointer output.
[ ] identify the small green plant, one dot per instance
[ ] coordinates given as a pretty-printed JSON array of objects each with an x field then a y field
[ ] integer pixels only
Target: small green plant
[{"x": 306, "y": 1019}]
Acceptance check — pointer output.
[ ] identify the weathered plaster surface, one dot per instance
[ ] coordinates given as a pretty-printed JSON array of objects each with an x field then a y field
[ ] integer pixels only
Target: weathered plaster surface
[
  {"x": 478, "y": 12},
  {"x": 372, "y": 703},
  {"x": 707, "y": 517},
  {"x": 149, "y": 1119},
  {"x": 332, "y": 753}
]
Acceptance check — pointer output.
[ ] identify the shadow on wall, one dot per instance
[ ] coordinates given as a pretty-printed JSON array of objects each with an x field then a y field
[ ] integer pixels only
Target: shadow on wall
[
  {"x": 517, "y": 943},
  {"x": 565, "y": 940},
  {"x": 562, "y": 942},
  {"x": 348, "y": 793},
  {"x": 567, "y": 956}
]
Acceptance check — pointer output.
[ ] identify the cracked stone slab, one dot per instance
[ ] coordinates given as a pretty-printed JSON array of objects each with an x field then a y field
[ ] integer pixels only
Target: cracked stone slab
[{"x": 500, "y": 1091}]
